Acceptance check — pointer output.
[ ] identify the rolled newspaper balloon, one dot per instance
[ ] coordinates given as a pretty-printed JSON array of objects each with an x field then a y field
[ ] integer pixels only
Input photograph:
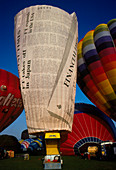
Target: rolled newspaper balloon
[{"x": 46, "y": 49}]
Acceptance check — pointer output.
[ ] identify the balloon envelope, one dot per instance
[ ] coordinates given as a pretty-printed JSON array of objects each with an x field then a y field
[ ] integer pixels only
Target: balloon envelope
[
  {"x": 25, "y": 143},
  {"x": 35, "y": 144},
  {"x": 46, "y": 47},
  {"x": 90, "y": 126},
  {"x": 11, "y": 105},
  {"x": 97, "y": 67}
]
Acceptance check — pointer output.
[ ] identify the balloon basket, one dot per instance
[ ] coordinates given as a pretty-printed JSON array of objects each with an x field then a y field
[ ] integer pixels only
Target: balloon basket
[
  {"x": 52, "y": 160},
  {"x": 52, "y": 166}
]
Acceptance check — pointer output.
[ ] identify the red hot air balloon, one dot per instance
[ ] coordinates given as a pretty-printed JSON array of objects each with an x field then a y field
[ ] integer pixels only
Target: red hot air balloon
[
  {"x": 11, "y": 105},
  {"x": 97, "y": 67},
  {"x": 90, "y": 127}
]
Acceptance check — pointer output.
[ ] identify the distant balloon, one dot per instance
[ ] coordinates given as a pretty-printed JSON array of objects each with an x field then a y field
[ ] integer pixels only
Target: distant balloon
[
  {"x": 35, "y": 144},
  {"x": 11, "y": 105},
  {"x": 24, "y": 134},
  {"x": 25, "y": 144},
  {"x": 97, "y": 67},
  {"x": 90, "y": 126},
  {"x": 31, "y": 143}
]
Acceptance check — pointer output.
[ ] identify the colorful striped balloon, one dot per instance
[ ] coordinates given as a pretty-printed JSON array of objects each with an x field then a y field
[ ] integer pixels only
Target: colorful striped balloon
[
  {"x": 90, "y": 126},
  {"x": 35, "y": 144},
  {"x": 25, "y": 144},
  {"x": 97, "y": 67}
]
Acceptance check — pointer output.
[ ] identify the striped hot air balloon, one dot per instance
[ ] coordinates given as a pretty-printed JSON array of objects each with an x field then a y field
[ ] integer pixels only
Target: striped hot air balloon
[
  {"x": 97, "y": 67},
  {"x": 90, "y": 127},
  {"x": 36, "y": 144},
  {"x": 25, "y": 144}
]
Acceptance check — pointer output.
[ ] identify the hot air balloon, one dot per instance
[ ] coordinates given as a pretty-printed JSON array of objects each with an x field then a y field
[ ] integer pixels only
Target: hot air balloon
[
  {"x": 36, "y": 144},
  {"x": 11, "y": 105},
  {"x": 90, "y": 127},
  {"x": 46, "y": 54},
  {"x": 97, "y": 67},
  {"x": 46, "y": 48},
  {"x": 25, "y": 143}
]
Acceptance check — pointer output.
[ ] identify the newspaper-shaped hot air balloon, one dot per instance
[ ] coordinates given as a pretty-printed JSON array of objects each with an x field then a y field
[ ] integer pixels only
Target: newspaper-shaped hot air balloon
[{"x": 46, "y": 49}]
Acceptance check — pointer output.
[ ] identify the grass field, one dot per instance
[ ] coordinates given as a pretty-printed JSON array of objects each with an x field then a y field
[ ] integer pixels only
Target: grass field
[{"x": 70, "y": 163}]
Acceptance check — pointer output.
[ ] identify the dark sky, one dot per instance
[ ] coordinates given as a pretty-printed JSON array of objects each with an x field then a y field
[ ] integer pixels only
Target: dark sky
[{"x": 89, "y": 14}]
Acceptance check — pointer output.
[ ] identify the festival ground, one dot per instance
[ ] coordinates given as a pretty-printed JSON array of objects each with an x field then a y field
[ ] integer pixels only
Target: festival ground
[{"x": 70, "y": 163}]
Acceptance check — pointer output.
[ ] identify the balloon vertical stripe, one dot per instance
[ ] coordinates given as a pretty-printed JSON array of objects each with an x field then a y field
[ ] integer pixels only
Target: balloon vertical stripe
[
  {"x": 99, "y": 67},
  {"x": 112, "y": 27},
  {"x": 106, "y": 52},
  {"x": 86, "y": 70}
]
